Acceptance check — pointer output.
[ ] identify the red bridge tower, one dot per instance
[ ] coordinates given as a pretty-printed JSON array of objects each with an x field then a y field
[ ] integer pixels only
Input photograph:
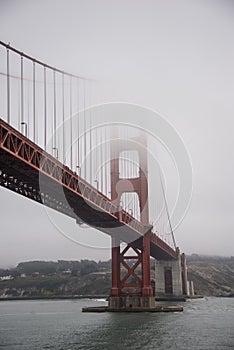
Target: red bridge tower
[{"x": 129, "y": 287}]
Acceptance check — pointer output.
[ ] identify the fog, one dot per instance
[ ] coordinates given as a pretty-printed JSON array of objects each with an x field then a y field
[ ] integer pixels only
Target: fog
[{"x": 175, "y": 58}]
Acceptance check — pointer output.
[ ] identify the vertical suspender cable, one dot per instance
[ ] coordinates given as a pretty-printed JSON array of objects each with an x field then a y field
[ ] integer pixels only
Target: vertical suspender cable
[
  {"x": 160, "y": 224},
  {"x": 71, "y": 133},
  {"x": 109, "y": 161},
  {"x": 94, "y": 133},
  {"x": 167, "y": 211},
  {"x": 78, "y": 128},
  {"x": 129, "y": 162},
  {"x": 126, "y": 156},
  {"x": 34, "y": 102},
  {"x": 63, "y": 119},
  {"x": 126, "y": 174},
  {"x": 22, "y": 89},
  {"x": 8, "y": 87},
  {"x": 106, "y": 162},
  {"x": 124, "y": 159},
  {"x": 101, "y": 160},
  {"x": 81, "y": 145},
  {"x": 134, "y": 206},
  {"x": 19, "y": 105},
  {"x": 96, "y": 150},
  {"x": 90, "y": 136},
  {"x": 28, "y": 102},
  {"x": 45, "y": 110},
  {"x": 55, "y": 117},
  {"x": 85, "y": 134}
]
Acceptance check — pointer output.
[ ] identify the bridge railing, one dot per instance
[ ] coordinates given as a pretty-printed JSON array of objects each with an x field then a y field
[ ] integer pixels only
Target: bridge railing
[{"x": 163, "y": 245}]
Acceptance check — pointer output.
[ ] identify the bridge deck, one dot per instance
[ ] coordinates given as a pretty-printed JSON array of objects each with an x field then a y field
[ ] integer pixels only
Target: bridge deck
[{"x": 28, "y": 170}]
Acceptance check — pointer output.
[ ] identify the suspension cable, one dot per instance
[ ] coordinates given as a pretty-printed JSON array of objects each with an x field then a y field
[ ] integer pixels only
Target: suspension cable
[
  {"x": 55, "y": 116},
  {"x": 71, "y": 133},
  {"x": 105, "y": 160},
  {"x": 31, "y": 95},
  {"x": 101, "y": 158},
  {"x": 34, "y": 102},
  {"x": 84, "y": 132},
  {"x": 22, "y": 89},
  {"x": 45, "y": 109},
  {"x": 63, "y": 118},
  {"x": 18, "y": 100},
  {"x": 22, "y": 54},
  {"x": 167, "y": 210},
  {"x": 8, "y": 87},
  {"x": 78, "y": 127},
  {"x": 90, "y": 136}
]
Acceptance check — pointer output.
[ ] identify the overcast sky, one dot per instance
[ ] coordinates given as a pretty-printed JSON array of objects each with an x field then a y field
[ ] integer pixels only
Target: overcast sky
[{"x": 175, "y": 57}]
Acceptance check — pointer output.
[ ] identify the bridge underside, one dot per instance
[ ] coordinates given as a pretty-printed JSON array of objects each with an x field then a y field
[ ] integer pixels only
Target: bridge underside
[{"x": 19, "y": 177}]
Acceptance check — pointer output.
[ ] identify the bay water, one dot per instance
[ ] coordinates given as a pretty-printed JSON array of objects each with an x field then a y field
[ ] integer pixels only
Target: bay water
[{"x": 206, "y": 323}]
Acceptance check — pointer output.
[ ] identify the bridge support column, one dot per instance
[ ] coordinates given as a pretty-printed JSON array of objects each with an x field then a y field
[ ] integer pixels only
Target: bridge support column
[
  {"x": 131, "y": 289},
  {"x": 115, "y": 290},
  {"x": 171, "y": 277},
  {"x": 146, "y": 286}
]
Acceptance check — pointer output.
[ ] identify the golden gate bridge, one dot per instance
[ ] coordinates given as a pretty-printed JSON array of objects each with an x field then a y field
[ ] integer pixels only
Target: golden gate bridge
[{"x": 55, "y": 151}]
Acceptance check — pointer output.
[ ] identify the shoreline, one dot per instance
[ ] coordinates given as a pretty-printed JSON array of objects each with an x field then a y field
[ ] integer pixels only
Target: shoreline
[
  {"x": 103, "y": 296},
  {"x": 55, "y": 297}
]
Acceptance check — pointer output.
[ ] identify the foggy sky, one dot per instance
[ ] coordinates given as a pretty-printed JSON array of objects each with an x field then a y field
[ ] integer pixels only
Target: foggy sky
[{"x": 175, "y": 57}]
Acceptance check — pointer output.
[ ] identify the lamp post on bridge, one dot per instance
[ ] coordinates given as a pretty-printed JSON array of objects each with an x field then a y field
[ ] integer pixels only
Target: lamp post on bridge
[
  {"x": 56, "y": 153},
  {"x": 26, "y": 128},
  {"x": 78, "y": 169}
]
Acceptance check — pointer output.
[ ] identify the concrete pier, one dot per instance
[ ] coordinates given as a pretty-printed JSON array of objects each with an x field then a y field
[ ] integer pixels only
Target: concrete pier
[
  {"x": 138, "y": 309},
  {"x": 168, "y": 278},
  {"x": 134, "y": 301},
  {"x": 171, "y": 278}
]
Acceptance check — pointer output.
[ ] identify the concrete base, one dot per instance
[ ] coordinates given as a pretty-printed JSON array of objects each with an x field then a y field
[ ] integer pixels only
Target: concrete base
[
  {"x": 197, "y": 296},
  {"x": 138, "y": 309},
  {"x": 171, "y": 298},
  {"x": 131, "y": 302},
  {"x": 160, "y": 280}
]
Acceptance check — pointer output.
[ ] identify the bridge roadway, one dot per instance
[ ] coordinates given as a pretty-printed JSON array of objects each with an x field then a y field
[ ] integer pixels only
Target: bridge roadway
[{"x": 27, "y": 169}]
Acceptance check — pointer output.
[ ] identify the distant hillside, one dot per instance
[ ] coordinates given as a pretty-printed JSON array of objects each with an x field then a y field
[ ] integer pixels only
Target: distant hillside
[
  {"x": 62, "y": 278},
  {"x": 212, "y": 276}
]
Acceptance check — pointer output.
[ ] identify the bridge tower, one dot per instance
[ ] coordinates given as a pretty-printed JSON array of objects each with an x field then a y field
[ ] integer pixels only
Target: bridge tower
[
  {"x": 171, "y": 277},
  {"x": 131, "y": 287}
]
